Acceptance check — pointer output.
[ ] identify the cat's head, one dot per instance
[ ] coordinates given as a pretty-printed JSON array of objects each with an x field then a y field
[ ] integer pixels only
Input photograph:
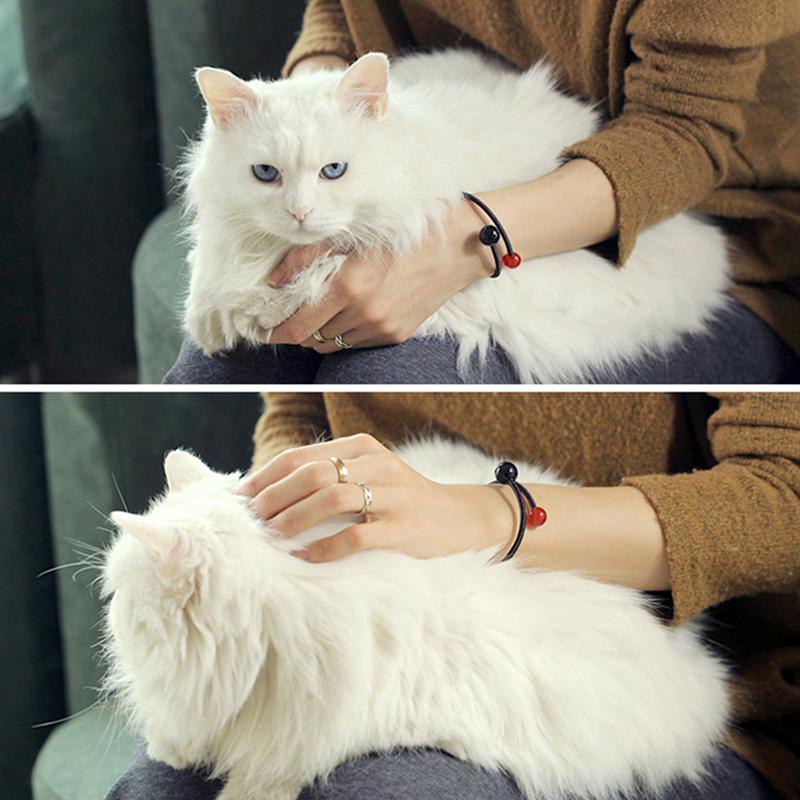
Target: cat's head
[
  {"x": 304, "y": 159},
  {"x": 183, "y": 580}
]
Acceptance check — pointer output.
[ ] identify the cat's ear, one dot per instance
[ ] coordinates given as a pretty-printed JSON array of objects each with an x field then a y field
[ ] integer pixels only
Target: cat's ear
[
  {"x": 160, "y": 542},
  {"x": 365, "y": 85},
  {"x": 182, "y": 469},
  {"x": 228, "y": 98}
]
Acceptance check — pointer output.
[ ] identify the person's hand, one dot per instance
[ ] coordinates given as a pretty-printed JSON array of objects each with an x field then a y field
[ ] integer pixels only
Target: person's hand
[
  {"x": 377, "y": 299},
  {"x": 410, "y": 514}
]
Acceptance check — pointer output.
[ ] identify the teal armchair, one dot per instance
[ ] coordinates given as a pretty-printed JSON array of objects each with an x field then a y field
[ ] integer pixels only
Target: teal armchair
[
  {"x": 19, "y": 322},
  {"x": 97, "y": 180}
]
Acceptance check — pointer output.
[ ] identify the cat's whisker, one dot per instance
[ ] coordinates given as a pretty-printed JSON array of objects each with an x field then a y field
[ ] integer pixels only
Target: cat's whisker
[
  {"x": 97, "y": 510},
  {"x": 60, "y": 567},
  {"x": 84, "y": 569},
  {"x": 119, "y": 492},
  {"x": 86, "y": 545},
  {"x": 67, "y": 718}
]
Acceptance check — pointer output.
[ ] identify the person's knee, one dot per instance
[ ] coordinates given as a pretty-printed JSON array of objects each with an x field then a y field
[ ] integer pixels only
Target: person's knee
[
  {"x": 189, "y": 367},
  {"x": 146, "y": 779},
  {"x": 245, "y": 364},
  {"x": 357, "y": 366},
  {"x": 424, "y": 775},
  {"x": 423, "y": 360}
]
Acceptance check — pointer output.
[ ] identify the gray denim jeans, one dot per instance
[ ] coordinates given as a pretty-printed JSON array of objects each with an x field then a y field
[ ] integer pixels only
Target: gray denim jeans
[
  {"x": 738, "y": 348},
  {"x": 424, "y": 775}
]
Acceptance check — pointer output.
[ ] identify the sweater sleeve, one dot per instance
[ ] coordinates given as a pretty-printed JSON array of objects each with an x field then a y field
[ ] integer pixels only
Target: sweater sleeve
[
  {"x": 734, "y": 530},
  {"x": 324, "y": 32},
  {"x": 289, "y": 419},
  {"x": 694, "y": 68}
]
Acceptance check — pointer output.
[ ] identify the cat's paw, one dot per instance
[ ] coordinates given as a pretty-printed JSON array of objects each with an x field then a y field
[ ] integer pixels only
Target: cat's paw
[
  {"x": 208, "y": 331},
  {"x": 248, "y": 327},
  {"x": 166, "y": 754},
  {"x": 222, "y": 328},
  {"x": 455, "y": 749},
  {"x": 236, "y": 789}
]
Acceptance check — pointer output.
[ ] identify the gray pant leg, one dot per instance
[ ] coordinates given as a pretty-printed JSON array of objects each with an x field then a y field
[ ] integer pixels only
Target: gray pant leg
[
  {"x": 244, "y": 364},
  {"x": 728, "y": 777},
  {"x": 418, "y": 774},
  {"x": 416, "y": 361},
  {"x": 151, "y": 780},
  {"x": 737, "y": 348},
  {"x": 425, "y": 775},
  {"x": 432, "y": 775}
]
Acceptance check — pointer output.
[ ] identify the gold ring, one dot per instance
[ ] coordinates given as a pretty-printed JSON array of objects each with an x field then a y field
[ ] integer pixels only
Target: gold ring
[
  {"x": 367, "y": 492},
  {"x": 341, "y": 468},
  {"x": 318, "y": 337}
]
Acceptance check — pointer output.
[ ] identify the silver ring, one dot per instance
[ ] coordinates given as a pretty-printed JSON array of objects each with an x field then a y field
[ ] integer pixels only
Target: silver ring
[
  {"x": 341, "y": 468},
  {"x": 367, "y": 492},
  {"x": 341, "y": 343}
]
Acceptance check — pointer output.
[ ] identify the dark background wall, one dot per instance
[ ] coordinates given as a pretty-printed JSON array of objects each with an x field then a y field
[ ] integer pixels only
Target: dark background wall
[{"x": 109, "y": 104}]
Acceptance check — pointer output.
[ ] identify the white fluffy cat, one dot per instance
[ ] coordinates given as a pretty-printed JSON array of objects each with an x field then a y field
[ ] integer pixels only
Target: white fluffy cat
[
  {"x": 450, "y": 121},
  {"x": 227, "y": 650}
]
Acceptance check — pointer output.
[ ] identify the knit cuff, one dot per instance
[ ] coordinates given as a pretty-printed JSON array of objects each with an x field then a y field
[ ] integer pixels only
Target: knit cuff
[
  {"x": 290, "y": 419},
  {"x": 318, "y": 46},
  {"x": 711, "y": 521},
  {"x": 655, "y": 171}
]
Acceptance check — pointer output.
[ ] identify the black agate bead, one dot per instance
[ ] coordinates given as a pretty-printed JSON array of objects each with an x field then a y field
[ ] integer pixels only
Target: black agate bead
[
  {"x": 506, "y": 472},
  {"x": 489, "y": 235}
]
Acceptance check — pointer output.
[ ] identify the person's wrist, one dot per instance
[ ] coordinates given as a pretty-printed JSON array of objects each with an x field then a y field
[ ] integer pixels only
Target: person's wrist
[
  {"x": 474, "y": 258},
  {"x": 491, "y": 514}
]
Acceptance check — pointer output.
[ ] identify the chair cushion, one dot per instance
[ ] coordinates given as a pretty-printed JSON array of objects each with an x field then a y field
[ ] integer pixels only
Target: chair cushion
[
  {"x": 160, "y": 283},
  {"x": 83, "y": 758}
]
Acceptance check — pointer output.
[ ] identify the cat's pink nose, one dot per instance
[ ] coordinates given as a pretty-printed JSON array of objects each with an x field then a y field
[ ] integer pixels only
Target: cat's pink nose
[{"x": 300, "y": 213}]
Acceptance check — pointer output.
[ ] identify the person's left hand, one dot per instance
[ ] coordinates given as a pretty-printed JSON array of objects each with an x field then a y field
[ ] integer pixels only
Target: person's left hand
[
  {"x": 410, "y": 514},
  {"x": 378, "y": 299}
]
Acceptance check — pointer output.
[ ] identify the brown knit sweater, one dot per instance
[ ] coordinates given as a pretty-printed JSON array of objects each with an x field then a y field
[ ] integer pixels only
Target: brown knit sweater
[
  {"x": 702, "y": 96},
  {"x": 722, "y": 472}
]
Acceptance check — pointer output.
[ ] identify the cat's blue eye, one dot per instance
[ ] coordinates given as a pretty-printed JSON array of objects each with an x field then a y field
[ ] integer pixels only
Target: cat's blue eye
[
  {"x": 334, "y": 170},
  {"x": 266, "y": 173}
]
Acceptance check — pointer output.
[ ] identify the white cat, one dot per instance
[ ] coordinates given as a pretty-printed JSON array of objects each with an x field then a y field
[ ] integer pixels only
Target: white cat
[
  {"x": 226, "y": 649},
  {"x": 345, "y": 157}
]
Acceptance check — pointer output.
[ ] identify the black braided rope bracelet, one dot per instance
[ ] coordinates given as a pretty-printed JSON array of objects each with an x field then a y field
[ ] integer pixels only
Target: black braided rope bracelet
[
  {"x": 530, "y": 514},
  {"x": 490, "y": 235}
]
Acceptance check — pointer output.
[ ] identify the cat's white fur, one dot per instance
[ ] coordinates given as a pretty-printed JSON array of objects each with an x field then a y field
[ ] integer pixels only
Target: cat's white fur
[
  {"x": 452, "y": 121},
  {"x": 225, "y": 649}
]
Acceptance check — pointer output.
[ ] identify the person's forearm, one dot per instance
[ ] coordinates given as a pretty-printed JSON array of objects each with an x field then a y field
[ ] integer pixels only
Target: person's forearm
[
  {"x": 609, "y": 533},
  {"x": 568, "y": 209}
]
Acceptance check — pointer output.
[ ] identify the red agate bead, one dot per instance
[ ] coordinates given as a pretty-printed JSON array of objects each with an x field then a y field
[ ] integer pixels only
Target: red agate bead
[
  {"x": 512, "y": 260},
  {"x": 535, "y": 517}
]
